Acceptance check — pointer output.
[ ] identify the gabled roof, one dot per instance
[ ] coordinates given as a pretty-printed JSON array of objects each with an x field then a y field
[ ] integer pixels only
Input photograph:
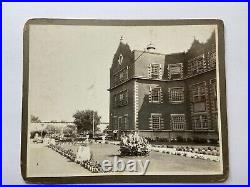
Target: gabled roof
[{"x": 124, "y": 50}]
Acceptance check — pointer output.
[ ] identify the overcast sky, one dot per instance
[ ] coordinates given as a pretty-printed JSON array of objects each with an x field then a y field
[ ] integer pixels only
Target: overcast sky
[{"x": 69, "y": 65}]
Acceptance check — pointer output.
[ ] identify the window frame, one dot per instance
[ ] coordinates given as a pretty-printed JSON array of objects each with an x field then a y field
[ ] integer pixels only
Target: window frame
[
  {"x": 198, "y": 90},
  {"x": 171, "y": 96},
  {"x": 120, "y": 59},
  {"x": 122, "y": 97},
  {"x": 125, "y": 121},
  {"x": 155, "y": 74},
  {"x": 154, "y": 96},
  {"x": 201, "y": 121},
  {"x": 214, "y": 90},
  {"x": 171, "y": 73},
  {"x": 159, "y": 115},
  {"x": 197, "y": 64},
  {"x": 120, "y": 76},
  {"x": 211, "y": 58},
  {"x": 176, "y": 124}
]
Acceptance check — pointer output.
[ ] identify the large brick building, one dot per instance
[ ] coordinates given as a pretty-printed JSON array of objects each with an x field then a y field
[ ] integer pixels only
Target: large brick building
[{"x": 165, "y": 95}]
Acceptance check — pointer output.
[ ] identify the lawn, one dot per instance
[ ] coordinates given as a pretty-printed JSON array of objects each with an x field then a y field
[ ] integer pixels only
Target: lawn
[{"x": 160, "y": 163}]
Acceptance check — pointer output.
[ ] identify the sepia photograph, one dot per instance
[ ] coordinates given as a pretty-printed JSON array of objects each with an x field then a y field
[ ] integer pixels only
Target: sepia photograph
[{"x": 124, "y": 98}]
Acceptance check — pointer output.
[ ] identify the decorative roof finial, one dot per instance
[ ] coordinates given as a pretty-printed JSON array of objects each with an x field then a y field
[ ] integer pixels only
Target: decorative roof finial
[
  {"x": 150, "y": 47},
  {"x": 122, "y": 39}
]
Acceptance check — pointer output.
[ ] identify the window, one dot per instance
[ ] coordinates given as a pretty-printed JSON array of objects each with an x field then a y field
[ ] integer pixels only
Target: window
[
  {"x": 211, "y": 58},
  {"x": 116, "y": 79},
  {"x": 214, "y": 118},
  {"x": 199, "y": 97},
  {"x": 125, "y": 122},
  {"x": 155, "y": 71},
  {"x": 125, "y": 72},
  {"x": 213, "y": 92},
  {"x": 124, "y": 75},
  {"x": 213, "y": 87},
  {"x": 121, "y": 76},
  {"x": 155, "y": 95},
  {"x": 176, "y": 95},
  {"x": 197, "y": 65},
  {"x": 175, "y": 71},
  {"x": 155, "y": 121},
  {"x": 199, "y": 92},
  {"x": 200, "y": 122},
  {"x": 178, "y": 121},
  {"x": 120, "y": 59},
  {"x": 123, "y": 98},
  {"x": 120, "y": 123},
  {"x": 115, "y": 100}
]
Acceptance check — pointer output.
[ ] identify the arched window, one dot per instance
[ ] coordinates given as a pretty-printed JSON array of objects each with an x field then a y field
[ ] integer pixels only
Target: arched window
[{"x": 120, "y": 59}]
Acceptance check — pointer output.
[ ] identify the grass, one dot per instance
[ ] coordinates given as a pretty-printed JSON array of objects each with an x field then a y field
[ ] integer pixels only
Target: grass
[{"x": 159, "y": 162}]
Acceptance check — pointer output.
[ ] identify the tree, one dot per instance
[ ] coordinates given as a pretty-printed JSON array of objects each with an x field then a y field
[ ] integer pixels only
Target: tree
[
  {"x": 69, "y": 130},
  {"x": 84, "y": 120},
  {"x": 35, "y": 119},
  {"x": 52, "y": 129}
]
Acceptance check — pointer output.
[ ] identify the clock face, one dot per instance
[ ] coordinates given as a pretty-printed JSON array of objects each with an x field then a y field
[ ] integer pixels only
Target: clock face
[{"x": 120, "y": 59}]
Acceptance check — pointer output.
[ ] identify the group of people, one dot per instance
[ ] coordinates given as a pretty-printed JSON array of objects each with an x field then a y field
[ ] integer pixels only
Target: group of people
[{"x": 134, "y": 145}]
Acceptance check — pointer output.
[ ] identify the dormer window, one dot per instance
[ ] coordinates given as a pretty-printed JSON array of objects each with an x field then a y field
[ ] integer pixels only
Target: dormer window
[
  {"x": 175, "y": 71},
  {"x": 154, "y": 71},
  {"x": 120, "y": 59}
]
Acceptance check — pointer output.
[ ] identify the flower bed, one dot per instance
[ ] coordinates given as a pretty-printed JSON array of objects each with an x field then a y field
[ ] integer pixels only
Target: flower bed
[
  {"x": 134, "y": 145},
  {"x": 91, "y": 165},
  {"x": 191, "y": 152}
]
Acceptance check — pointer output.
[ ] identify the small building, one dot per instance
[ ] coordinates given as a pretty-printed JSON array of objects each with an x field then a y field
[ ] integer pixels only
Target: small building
[{"x": 165, "y": 96}]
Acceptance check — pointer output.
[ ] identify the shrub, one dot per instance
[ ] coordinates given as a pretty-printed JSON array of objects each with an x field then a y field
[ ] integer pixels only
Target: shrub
[
  {"x": 134, "y": 145},
  {"x": 170, "y": 146},
  {"x": 179, "y": 139}
]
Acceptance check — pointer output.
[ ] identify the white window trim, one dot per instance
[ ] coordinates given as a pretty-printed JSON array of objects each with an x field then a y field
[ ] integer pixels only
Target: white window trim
[
  {"x": 184, "y": 122},
  {"x": 170, "y": 97},
  {"x": 170, "y": 74},
  {"x": 160, "y": 117},
  {"x": 150, "y": 72},
  {"x": 159, "y": 94}
]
